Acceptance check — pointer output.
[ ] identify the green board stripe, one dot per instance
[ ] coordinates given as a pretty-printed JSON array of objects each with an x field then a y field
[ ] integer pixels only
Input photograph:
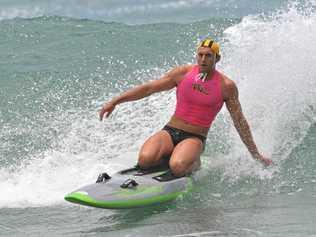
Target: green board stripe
[{"x": 83, "y": 199}]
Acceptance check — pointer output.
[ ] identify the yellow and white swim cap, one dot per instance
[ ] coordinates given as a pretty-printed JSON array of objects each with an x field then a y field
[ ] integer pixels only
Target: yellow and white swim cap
[{"x": 209, "y": 42}]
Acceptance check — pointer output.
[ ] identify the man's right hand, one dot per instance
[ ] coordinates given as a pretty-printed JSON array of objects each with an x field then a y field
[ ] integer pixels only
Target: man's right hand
[{"x": 106, "y": 108}]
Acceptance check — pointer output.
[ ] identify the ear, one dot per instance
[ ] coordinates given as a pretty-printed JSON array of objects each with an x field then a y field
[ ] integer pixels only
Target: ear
[{"x": 218, "y": 57}]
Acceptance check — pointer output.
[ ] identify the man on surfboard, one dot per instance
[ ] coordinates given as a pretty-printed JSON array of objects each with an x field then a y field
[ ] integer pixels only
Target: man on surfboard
[{"x": 201, "y": 92}]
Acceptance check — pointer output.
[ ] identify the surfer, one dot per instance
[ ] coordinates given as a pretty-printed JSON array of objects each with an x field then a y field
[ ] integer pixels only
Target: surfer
[{"x": 201, "y": 93}]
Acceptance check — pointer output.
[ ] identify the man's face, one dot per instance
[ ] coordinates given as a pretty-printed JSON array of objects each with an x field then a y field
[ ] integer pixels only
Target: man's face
[{"x": 206, "y": 59}]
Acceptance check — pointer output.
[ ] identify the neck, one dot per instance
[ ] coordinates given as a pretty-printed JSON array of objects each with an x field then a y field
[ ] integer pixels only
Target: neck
[{"x": 209, "y": 73}]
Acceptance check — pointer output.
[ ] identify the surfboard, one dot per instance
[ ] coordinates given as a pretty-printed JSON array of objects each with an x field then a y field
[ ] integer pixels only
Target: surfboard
[{"x": 132, "y": 188}]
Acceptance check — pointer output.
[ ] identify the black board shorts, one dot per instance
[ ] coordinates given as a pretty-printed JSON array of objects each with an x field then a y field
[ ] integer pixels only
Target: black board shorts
[{"x": 178, "y": 135}]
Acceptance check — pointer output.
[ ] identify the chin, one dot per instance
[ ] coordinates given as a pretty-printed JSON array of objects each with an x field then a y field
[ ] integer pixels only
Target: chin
[{"x": 204, "y": 69}]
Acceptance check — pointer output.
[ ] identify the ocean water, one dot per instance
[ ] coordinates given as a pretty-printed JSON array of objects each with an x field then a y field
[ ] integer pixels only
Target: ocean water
[{"x": 60, "y": 60}]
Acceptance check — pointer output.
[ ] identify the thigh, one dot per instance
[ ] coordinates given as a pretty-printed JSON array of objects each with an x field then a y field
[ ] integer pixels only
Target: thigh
[
  {"x": 187, "y": 152},
  {"x": 155, "y": 148}
]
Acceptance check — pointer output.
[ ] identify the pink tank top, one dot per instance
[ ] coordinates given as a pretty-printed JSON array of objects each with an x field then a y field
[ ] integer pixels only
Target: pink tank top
[{"x": 199, "y": 102}]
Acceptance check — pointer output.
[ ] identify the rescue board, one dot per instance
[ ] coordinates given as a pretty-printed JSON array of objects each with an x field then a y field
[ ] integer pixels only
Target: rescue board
[{"x": 132, "y": 188}]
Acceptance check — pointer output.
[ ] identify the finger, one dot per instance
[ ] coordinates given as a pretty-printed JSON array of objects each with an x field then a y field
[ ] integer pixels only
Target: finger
[
  {"x": 268, "y": 162},
  {"x": 101, "y": 114},
  {"x": 108, "y": 113}
]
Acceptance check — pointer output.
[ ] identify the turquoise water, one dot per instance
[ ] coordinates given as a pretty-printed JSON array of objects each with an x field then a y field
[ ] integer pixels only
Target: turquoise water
[{"x": 60, "y": 61}]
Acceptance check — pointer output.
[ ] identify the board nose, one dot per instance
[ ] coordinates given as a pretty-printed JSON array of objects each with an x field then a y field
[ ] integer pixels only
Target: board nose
[{"x": 78, "y": 197}]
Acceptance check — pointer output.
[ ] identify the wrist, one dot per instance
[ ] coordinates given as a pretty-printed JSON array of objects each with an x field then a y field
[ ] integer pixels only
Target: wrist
[
  {"x": 256, "y": 156},
  {"x": 114, "y": 101}
]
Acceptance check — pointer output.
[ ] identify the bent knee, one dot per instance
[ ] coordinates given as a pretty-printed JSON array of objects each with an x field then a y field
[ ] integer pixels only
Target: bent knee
[
  {"x": 179, "y": 167},
  {"x": 147, "y": 159}
]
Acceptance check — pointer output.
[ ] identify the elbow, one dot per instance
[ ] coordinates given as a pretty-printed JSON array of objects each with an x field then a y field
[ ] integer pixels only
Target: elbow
[
  {"x": 149, "y": 90},
  {"x": 239, "y": 120},
  {"x": 142, "y": 91}
]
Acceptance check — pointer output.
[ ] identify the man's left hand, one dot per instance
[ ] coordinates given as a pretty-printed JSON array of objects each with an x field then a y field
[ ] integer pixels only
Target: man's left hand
[{"x": 265, "y": 161}]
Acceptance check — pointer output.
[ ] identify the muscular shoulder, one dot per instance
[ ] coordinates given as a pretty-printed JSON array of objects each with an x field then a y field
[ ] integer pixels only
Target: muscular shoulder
[
  {"x": 229, "y": 88},
  {"x": 178, "y": 73}
]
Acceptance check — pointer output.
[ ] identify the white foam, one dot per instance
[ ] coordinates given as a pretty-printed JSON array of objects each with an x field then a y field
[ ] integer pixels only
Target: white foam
[
  {"x": 82, "y": 151},
  {"x": 271, "y": 58}
]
